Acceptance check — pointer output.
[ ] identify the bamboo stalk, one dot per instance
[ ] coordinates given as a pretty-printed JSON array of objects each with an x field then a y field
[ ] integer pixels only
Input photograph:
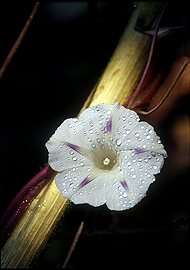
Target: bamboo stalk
[
  {"x": 127, "y": 64},
  {"x": 116, "y": 84}
]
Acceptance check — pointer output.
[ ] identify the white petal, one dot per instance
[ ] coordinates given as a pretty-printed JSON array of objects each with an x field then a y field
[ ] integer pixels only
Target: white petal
[
  {"x": 62, "y": 157},
  {"x": 82, "y": 186},
  {"x": 117, "y": 197},
  {"x": 93, "y": 193},
  {"x": 70, "y": 131},
  {"x": 69, "y": 180},
  {"x": 139, "y": 170},
  {"x": 94, "y": 120},
  {"x": 123, "y": 122},
  {"x": 143, "y": 137}
]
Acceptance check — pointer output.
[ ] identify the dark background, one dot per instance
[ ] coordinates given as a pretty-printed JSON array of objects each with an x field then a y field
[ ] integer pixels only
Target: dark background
[{"x": 63, "y": 54}]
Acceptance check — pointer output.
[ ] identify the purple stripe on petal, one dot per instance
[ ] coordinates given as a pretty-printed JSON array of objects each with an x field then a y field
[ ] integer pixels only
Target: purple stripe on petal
[
  {"x": 108, "y": 126},
  {"x": 124, "y": 184},
  {"x": 86, "y": 181},
  {"x": 74, "y": 147},
  {"x": 139, "y": 151}
]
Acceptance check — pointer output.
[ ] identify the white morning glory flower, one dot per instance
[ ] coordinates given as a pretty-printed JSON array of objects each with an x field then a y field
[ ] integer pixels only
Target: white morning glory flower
[{"x": 107, "y": 156}]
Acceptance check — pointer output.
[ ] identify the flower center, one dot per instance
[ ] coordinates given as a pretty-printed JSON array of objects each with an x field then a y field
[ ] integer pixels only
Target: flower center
[{"x": 105, "y": 159}]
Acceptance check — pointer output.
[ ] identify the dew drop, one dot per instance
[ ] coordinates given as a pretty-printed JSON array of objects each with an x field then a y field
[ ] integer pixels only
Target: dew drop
[
  {"x": 75, "y": 120},
  {"x": 71, "y": 185},
  {"x": 89, "y": 139},
  {"x": 124, "y": 194},
  {"x": 134, "y": 176},
  {"x": 118, "y": 142},
  {"x": 128, "y": 140},
  {"x": 74, "y": 158},
  {"x": 153, "y": 153},
  {"x": 155, "y": 167}
]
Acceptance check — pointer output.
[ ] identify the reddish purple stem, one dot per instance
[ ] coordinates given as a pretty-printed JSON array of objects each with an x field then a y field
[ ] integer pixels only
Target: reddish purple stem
[
  {"x": 139, "y": 88},
  {"x": 22, "y": 200}
]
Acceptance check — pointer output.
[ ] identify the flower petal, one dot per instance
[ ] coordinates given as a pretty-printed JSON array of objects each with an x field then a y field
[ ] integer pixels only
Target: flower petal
[
  {"x": 117, "y": 196},
  {"x": 139, "y": 170},
  {"x": 144, "y": 138},
  {"x": 62, "y": 157},
  {"x": 69, "y": 181},
  {"x": 96, "y": 121},
  {"x": 123, "y": 122},
  {"x": 93, "y": 192}
]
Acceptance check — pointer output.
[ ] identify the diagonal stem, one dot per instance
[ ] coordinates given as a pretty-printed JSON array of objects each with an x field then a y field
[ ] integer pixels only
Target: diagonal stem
[
  {"x": 138, "y": 91},
  {"x": 19, "y": 40},
  {"x": 169, "y": 90}
]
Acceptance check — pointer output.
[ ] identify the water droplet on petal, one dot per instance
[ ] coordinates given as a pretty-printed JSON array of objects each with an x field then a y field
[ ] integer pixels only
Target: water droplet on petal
[
  {"x": 74, "y": 158},
  {"x": 71, "y": 185},
  {"x": 124, "y": 194},
  {"x": 118, "y": 142},
  {"x": 153, "y": 153}
]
